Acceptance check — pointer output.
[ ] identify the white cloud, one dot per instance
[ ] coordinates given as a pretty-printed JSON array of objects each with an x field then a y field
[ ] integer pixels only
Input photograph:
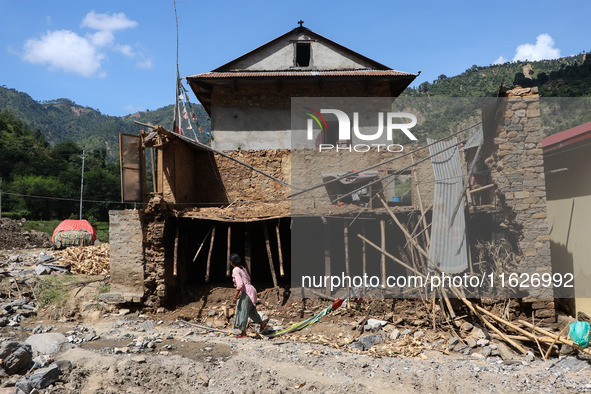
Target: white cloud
[
  {"x": 542, "y": 49},
  {"x": 101, "y": 38},
  {"x": 64, "y": 50},
  {"x": 145, "y": 64},
  {"x": 500, "y": 60},
  {"x": 106, "y": 22},
  {"x": 70, "y": 52}
]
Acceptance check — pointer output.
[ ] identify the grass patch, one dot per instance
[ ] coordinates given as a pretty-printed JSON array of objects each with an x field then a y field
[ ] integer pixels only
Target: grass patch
[
  {"x": 104, "y": 288},
  {"x": 53, "y": 290}
]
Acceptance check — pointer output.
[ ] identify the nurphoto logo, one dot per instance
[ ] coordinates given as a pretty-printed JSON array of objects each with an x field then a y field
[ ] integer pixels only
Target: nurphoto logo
[{"x": 392, "y": 124}]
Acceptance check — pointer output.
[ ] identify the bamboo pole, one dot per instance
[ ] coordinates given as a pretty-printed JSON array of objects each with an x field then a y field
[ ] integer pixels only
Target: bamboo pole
[
  {"x": 209, "y": 254},
  {"x": 280, "y": 253},
  {"x": 558, "y": 338},
  {"x": 554, "y": 342}
]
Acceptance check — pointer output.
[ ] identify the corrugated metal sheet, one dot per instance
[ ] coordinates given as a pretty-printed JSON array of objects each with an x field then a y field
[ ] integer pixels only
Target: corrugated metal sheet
[
  {"x": 448, "y": 244},
  {"x": 300, "y": 73},
  {"x": 475, "y": 140}
]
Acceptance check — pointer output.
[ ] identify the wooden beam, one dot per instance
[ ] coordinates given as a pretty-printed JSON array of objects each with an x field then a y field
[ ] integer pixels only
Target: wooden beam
[
  {"x": 281, "y": 271},
  {"x": 347, "y": 271},
  {"x": 247, "y": 250},
  {"x": 202, "y": 243},
  {"x": 209, "y": 255},
  {"x": 327, "y": 269},
  {"x": 270, "y": 255},
  {"x": 363, "y": 254},
  {"x": 383, "y": 245},
  {"x": 228, "y": 273}
]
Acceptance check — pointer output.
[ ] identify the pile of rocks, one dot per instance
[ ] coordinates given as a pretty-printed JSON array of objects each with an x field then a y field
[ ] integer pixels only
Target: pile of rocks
[
  {"x": 29, "y": 366},
  {"x": 13, "y": 312}
]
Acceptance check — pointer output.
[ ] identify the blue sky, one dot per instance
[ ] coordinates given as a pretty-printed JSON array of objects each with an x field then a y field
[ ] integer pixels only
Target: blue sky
[{"x": 119, "y": 56}]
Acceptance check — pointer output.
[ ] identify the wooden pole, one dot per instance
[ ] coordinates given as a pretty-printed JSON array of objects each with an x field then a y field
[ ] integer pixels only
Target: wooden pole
[
  {"x": 347, "y": 271},
  {"x": 280, "y": 253},
  {"x": 383, "y": 245},
  {"x": 420, "y": 200},
  {"x": 269, "y": 255},
  {"x": 327, "y": 269},
  {"x": 247, "y": 250},
  {"x": 228, "y": 273},
  {"x": 202, "y": 243},
  {"x": 176, "y": 251},
  {"x": 363, "y": 254},
  {"x": 209, "y": 254},
  {"x": 154, "y": 184}
]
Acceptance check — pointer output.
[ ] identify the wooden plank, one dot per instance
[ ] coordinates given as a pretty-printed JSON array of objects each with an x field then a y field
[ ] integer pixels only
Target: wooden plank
[
  {"x": 270, "y": 255},
  {"x": 280, "y": 252},
  {"x": 209, "y": 254}
]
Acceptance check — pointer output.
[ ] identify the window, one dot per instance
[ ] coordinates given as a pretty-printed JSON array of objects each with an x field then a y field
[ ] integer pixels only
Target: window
[{"x": 303, "y": 54}]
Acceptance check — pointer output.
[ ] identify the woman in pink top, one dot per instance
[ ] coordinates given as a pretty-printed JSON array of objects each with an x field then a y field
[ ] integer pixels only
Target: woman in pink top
[{"x": 245, "y": 297}]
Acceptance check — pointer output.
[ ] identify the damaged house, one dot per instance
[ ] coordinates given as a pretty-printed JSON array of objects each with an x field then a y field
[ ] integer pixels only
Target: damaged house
[{"x": 236, "y": 196}]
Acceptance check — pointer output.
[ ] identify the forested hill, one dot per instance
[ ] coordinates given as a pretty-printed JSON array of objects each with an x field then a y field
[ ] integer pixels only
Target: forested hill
[
  {"x": 63, "y": 120},
  {"x": 563, "y": 77}
]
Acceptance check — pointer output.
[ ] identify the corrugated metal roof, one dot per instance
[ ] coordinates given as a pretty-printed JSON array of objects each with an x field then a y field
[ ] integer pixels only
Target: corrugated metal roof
[
  {"x": 300, "y": 73},
  {"x": 448, "y": 244},
  {"x": 567, "y": 137}
]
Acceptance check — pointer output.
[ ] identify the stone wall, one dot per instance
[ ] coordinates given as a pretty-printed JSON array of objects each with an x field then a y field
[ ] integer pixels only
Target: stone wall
[
  {"x": 517, "y": 169},
  {"x": 126, "y": 256}
]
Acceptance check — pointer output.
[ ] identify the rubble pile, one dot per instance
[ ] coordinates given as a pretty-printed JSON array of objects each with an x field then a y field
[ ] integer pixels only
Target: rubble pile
[
  {"x": 14, "y": 236},
  {"x": 87, "y": 260}
]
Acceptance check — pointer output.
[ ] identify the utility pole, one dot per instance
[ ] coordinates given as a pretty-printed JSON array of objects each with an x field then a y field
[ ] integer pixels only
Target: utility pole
[{"x": 82, "y": 182}]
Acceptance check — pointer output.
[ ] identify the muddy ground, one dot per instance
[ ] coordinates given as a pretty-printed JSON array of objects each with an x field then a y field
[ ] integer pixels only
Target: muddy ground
[{"x": 127, "y": 350}]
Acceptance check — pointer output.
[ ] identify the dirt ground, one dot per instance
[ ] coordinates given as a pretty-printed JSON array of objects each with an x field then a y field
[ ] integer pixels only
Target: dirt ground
[{"x": 127, "y": 350}]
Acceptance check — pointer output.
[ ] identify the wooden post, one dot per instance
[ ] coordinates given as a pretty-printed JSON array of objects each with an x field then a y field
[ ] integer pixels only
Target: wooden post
[
  {"x": 326, "y": 254},
  {"x": 269, "y": 255},
  {"x": 228, "y": 273},
  {"x": 420, "y": 200},
  {"x": 281, "y": 272},
  {"x": 202, "y": 243},
  {"x": 363, "y": 254},
  {"x": 176, "y": 250},
  {"x": 346, "y": 240},
  {"x": 154, "y": 183},
  {"x": 383, "y": 246},
  {"x": 247, "y": 251},
  {"x": 209, "y": 254}
]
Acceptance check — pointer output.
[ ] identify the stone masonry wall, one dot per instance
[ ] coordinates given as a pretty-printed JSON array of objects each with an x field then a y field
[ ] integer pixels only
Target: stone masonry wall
[{"x": 517, "y": 168}]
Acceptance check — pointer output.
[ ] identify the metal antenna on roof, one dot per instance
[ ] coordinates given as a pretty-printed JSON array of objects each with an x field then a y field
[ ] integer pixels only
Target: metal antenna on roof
[{"x": 301, "y": 22}]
